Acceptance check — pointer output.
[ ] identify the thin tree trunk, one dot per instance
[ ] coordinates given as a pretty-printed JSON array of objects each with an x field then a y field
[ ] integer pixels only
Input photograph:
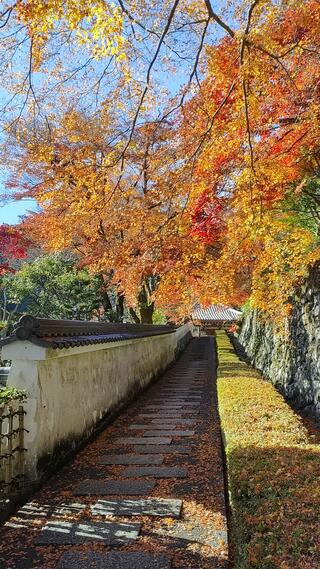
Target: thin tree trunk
[
  {"x": 134, "y": 316},
  {"x": 146, "y": 313},
  {"x": 120, "y": 307}
]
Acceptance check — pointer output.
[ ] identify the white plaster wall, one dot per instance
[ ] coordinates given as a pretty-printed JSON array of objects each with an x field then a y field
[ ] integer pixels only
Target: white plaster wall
[{"x": 70, "y": 390}]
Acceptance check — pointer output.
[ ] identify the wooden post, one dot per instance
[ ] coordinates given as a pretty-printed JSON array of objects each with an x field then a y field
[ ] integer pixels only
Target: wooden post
[
  {"x": 21, "y": 446},
  {"x": 2, "y": 463},
  {"x": 8, "y": 477}
]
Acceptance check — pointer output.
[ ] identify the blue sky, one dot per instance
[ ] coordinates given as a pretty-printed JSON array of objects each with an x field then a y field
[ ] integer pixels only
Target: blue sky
[{"x": 10, "y": 212}]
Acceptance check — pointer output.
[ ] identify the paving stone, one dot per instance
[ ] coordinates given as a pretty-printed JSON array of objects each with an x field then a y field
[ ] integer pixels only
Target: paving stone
[
  {"x": 172, "y": 423},
  {"x": 112, "y": 560},
  {"x": 185, "y": 383},
  {"x": 145, "y": 507},
  {"x": 173, "y": 411},
  {"x": 170, "y": 449},
  {"x": 142, "y": 440},
  {"x": 160, "y": 403},
  {"x": 178, "y": 409},
  {"x": 174, "y": 402},
  {"x": 114, "y": 487},
  {"x": 140, "y": 427},
  {"x": 33, "y": 511},
  {"x": 181, "y": 391},
  {"x": 61, "y": 532},
  {"x": 178, "y": 389},
  {"x": 168, "y": 404},
  {"x": 196, "y": 534},
  {"x": 171, "y": 433},
  {"x": 177, "y": 395},
  {"x": 191, "y": 388},
  {"x": 156, "y": 471},
  {"x": 182, "y": 377},
  {"x": 185, "y": 389},
  {"x": 171, "y": 416},
  {"x": 163, "y": 407},
  {"x": 181, "y": 398},
  {"x": 169, "y": 413},
  {"x": 178, "y": 398},
  {"x": 163, "y": 425},
  {"x": 44, "y": 510},
  {"x": 183, "y": 395},
  {"x": 130, "y": 459}
]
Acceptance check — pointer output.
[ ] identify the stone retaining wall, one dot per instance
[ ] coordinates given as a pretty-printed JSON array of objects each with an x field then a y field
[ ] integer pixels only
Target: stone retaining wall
[{"x": 292, "y": 361}]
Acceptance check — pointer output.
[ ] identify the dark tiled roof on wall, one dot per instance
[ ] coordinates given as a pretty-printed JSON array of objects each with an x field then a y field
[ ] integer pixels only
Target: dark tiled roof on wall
[{"x": 72, "y": 333}]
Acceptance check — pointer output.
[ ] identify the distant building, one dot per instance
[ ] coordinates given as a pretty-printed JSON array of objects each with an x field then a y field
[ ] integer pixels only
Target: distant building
[{"x": 215, "y": 317}]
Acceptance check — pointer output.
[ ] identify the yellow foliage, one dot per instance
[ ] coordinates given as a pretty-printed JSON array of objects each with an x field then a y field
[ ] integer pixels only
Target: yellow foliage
[{"x": 96, "y": 23}]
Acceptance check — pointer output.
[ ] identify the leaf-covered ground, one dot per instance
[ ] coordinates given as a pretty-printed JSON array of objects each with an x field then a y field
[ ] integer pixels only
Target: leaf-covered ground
[
  {"x": 273, "y": 459},
  {"x": 202, "y": 492}
]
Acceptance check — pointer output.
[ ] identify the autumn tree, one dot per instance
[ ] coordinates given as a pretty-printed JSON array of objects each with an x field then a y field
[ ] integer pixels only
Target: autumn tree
[
  {"x": 192, "y": 186},
  {"x": 136, "y": 233},
  {"x": 258, "y": 160}
]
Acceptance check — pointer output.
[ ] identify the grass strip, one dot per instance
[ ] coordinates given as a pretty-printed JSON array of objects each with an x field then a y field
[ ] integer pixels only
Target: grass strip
[{"x": 273, "y": 463}]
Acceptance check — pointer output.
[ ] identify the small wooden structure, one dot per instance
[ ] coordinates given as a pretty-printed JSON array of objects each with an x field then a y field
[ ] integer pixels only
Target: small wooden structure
[
  {"x": 11, "y": 448},
  {"x": 215, "y": 317}
]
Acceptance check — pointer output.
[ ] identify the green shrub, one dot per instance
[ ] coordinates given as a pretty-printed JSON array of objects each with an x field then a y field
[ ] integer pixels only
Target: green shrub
[{"x": 8, "y": 394}]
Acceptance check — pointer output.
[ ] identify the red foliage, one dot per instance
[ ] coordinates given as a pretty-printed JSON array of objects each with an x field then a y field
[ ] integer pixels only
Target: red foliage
[
  {"x": 207, "y": 218},
  {"x": 13, "y": 246}
]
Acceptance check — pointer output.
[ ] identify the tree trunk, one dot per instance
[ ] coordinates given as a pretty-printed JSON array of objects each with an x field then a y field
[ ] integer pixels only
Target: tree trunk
[
  {"x": 120, "y": 307},
  {"x": 146, "y": 313},
  {"x": 134, "y": 316}
]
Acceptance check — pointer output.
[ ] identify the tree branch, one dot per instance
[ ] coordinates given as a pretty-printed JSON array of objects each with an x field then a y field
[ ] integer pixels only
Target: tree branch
[
  {"x": 246, "y": 108},
  {"x": 214, "y": 16},
  {"x": 137, "y": 113}
]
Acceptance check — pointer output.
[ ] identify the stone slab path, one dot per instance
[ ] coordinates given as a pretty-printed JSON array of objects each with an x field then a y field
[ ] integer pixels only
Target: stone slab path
[{"x": 147, "y": 493}]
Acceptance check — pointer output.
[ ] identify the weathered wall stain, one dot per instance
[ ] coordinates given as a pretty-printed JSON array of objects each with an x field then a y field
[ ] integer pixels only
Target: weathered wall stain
[{"x": 71, "y": 390}]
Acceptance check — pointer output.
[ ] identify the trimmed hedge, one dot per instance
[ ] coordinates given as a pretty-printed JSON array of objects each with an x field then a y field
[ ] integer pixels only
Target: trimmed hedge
[{"x": 273, "y": 463}]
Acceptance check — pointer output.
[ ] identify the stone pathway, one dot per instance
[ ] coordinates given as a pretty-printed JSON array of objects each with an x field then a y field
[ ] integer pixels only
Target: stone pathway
[{"x": 147, "y": 493}]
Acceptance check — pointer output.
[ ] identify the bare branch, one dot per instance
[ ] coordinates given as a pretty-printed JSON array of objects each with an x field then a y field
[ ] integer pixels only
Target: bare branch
[
  {"x": 246, "y": 108},
  {"x": 135, "y": 21},
  {"x": 6, "y": 14},
  {"x": 293, "y": 144},
  {"x": 217, "y": 111},
  {"x": 163, "y": 35},
  {"x": 214, "y": 16},
  {"x": 244, "y": 40},
  {"x": 277, "y": 58},
  {"x": 192, "y": 75}
]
